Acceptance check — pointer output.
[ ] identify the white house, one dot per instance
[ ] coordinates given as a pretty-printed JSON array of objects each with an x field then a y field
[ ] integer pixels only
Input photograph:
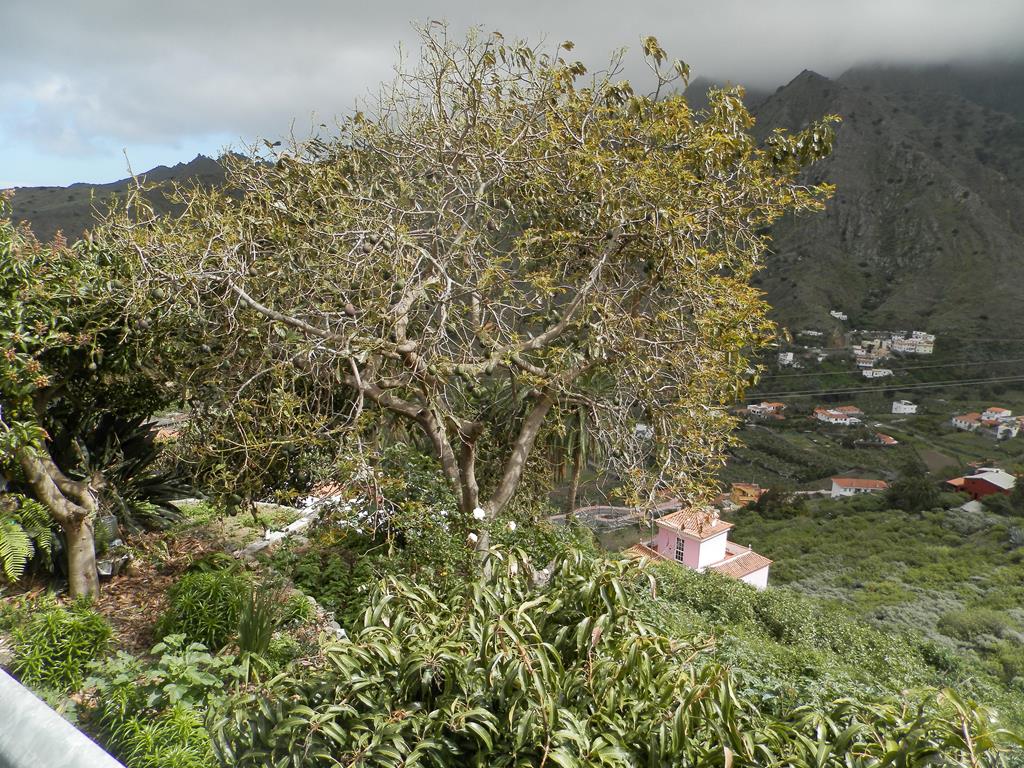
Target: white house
[
  {"x": 785, "y": 358},
  {"x": 903, "y": 406},
  {"x": 831, "y": 416},
  {"x": 767, "y": 410},
  {"x": 995, "y": 413},
  {"x": 839, "y": 315},
  {"x": 851, "y": 486},
  {"x": 1007, "y": 429},
  {"x": 968, "y": 422},
  {"x": 876, "y": 373},
  {"x": 697, "y": 538},
  {"x": 917, "y": 343}
]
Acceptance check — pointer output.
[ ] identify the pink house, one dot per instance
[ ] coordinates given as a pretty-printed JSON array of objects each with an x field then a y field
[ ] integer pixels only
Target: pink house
[{"x": 699, "y": 539}]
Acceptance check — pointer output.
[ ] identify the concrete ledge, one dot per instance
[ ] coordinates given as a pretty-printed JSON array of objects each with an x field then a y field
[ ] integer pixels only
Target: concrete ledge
[{"x": 34, "y": 736}]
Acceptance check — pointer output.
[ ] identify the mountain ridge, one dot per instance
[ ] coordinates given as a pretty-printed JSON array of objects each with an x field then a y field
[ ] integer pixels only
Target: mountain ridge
[{"x": 924, "y": 230}]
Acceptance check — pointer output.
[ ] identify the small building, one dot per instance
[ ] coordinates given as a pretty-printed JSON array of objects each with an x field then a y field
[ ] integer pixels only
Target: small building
[
  {"x": 876, "y": 373},
  {"x": 697, "y": 538},
  {"x": 983, "y": 482},
  {"x": 742, "y": 494},
  {"x": 1007, "y": 429},
  {"x": 767, "y": 410},
  {"x": 785, "y": 358},
  {"x": 995, "y": 415},
  {"x": 917, "y": 343},
  {"x": 886, "y": 440},
  {"x": 835, "y": 416},
  {"x": 851, "y": 486},
  {"x": 838, "y": 315},
  {"x": 967, "y": 422},
  {"x": 903, "y": 406}
]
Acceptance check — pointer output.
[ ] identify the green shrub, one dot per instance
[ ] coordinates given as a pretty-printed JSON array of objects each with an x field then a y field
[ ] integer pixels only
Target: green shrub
[
  {"x": 174, "y": 738},
  {"x": 215, "y": 561},
  {"x": 506, "y": 674},
  {"x": 335, "y": 570},
  {"x": 152, "y": 715},
  {"x": 283, "y": 649},
  {"x": 205, "y": 606},
  {"x": 296, "y": 609},
  {"x": 54, "y": 645},
  {"x": 970, "y": 625}
]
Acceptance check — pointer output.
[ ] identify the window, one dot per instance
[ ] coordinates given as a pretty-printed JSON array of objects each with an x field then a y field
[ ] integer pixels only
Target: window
[{"x": 680, "y": 548}]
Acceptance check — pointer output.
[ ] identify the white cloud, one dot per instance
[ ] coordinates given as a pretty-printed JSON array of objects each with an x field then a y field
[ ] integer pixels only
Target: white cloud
[{"x": 119, "y": 72}]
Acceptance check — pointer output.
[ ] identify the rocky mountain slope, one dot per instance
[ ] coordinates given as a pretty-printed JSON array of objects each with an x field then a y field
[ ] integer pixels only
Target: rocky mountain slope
[{"x": 926, "y": 227}]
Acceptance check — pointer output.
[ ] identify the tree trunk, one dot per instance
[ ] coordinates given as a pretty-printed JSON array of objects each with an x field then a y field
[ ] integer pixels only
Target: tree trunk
[
  {"x": 574, "y": 487},
  {"x": 83, "y": 578},
  {"x": 72, "y": 506}
]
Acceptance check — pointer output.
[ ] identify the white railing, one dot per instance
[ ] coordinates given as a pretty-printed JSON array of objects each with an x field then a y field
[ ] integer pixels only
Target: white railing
[{"x": 34, "y": 736}]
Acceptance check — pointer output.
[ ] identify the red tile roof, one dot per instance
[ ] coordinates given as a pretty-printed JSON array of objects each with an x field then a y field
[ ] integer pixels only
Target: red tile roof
[
  {"x": 699, "y": 523},
  {"x": 857, "y": 482},
  {"x": 849, "y": 409},
  {"x": 969, "y": 417},
  {"x": 641, "y": 550},
  {"x": 747, "y": 486},
  {"x": 741, "y": 566}
]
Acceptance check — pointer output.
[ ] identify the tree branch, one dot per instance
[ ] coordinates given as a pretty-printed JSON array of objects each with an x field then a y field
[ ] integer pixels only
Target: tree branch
[{"x": 516, "y": 462}]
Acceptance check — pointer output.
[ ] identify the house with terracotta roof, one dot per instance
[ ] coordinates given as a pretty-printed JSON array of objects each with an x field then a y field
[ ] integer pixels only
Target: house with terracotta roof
[
  {"x": 968, "y": 422},
  {"x": 851, "y": 486},
  {"x": 697, "y": 538},
  {"x": 742, "y": 494},
  {"x": 836, "y": 416},
  {"x": 849, "y": 410},
  {"x": 984, "y": 481},
  {"x": 994, "y": 416},
  {"x": 886, "y": 440}
]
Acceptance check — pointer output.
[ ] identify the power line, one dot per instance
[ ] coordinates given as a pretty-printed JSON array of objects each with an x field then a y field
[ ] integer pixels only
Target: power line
[{"x": 902, "y": 387}]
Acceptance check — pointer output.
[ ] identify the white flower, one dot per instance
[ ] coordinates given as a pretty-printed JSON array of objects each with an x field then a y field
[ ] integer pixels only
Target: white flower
[
  {"x": 511, "y": 525},
  {"x": 473, "y": 537},
  {"x": 479, "y": 514}
]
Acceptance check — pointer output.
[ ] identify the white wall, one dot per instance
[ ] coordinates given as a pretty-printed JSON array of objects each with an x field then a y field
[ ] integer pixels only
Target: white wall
[{"x": 712, "y": 550}]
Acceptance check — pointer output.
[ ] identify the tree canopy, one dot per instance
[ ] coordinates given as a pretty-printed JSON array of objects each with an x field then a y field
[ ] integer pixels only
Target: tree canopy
[
  {"x": 69, "y": 356},
  {"x": 497, "y": 240}
]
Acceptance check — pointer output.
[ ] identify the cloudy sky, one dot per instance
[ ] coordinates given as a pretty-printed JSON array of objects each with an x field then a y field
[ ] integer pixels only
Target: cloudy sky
[{"x": 85, "y": 83}]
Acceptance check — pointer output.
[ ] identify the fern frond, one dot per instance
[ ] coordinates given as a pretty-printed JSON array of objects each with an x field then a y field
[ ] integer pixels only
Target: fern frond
[{"x": 15, "y": 548}]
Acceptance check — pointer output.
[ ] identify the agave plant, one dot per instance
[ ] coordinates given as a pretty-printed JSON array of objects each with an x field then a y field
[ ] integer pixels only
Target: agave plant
[{"x": 136, "y": 489}]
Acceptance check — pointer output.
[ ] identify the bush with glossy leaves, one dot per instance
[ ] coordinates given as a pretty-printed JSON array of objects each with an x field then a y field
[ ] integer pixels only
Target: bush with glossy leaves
[{"x": 565, "y": 674}]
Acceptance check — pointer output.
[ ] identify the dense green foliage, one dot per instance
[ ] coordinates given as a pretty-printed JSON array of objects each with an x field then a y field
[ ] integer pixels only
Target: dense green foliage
[
  {"x": 54, "y": 643},
  {"x": 151, "y": 715},
  {"x": 75, "y": 364},
  {"x": 508, "y": 674},
  {"x": 205, "y": 607},
  {"x": 951, "y": 578}
]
